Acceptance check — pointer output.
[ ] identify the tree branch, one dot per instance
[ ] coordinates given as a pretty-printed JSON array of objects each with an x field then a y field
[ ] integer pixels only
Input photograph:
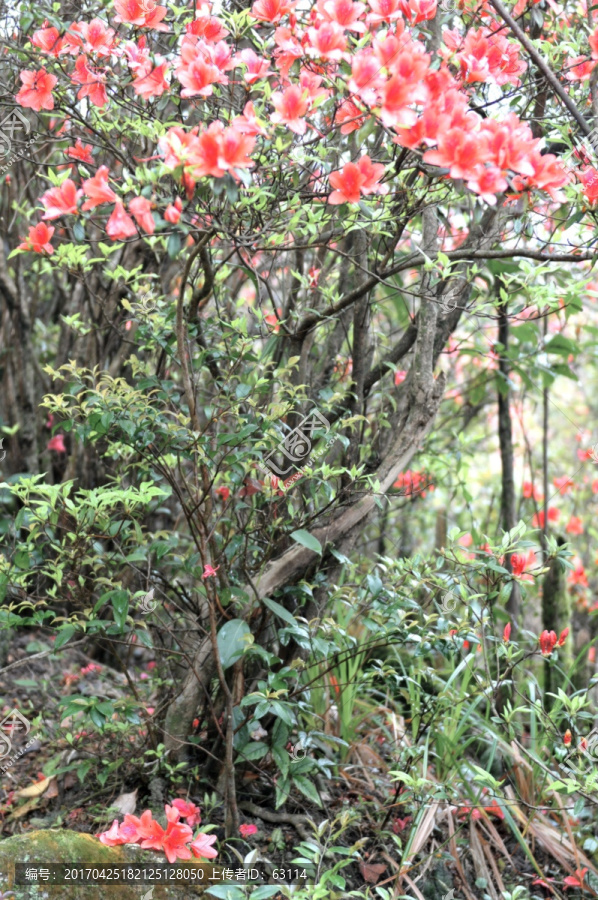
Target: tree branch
[
  {"x": 541, "y": 64},
  {"x": 297, "y": 559}
]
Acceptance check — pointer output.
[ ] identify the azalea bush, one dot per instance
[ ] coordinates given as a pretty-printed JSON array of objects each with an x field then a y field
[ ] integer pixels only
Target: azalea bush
[{"x": 218, "y": 222}]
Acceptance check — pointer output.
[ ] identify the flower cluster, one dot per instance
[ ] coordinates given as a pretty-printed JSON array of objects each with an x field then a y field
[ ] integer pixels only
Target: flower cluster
[
  {"x": 176, "y": 840},
  {"x": 548, "y": 641},
  {"x": 320, "y": 69},
  {"x": 412, "y": 483}
]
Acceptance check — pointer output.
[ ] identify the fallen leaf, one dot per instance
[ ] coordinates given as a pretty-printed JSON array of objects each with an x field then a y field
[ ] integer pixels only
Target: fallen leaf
[
  {"x": 24, "y": 809},
  {"x": 70, "y": 780},
  {"x": 52, "y": 789},
  {"x": 35, "y": 790},
  {"x": 126, "y": 803},
  {"x": 372, "y": 871}
]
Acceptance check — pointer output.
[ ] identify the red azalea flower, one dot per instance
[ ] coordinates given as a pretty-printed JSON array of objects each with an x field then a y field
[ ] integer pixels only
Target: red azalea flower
[
  {"x": 120, "y": 226},
  {"x": 98, "y": 189},
  {"x": 39, "y": 238},
  {"x": 172, "y": 213},
  {"x": 189, "y": 811},
  {"x": 547, "y": 641},
  {"x": 48, "y": 40},
  {"x": 271, "y": 10},
  {"x": 574, "y": 525},
  {"x": 140, "y": 12},
  {"x": 564, "y": 485},
  {"x": 91, "y": 81},
  {"x": 578, "y": 574},
  {"x": 112, "y": 837},
  {"x": 174, "y": 841},
  {"x": 553, "y": 516},
  {"x": 81, "y": 152},
  {"x": 521, "y": 563},
  {"x": 56, "y": 443},
  {"x": 529, "y": 491},
  {"x": 129, "y": 830},
  {"x": 36, "y": 92},
  {"x": 61, "y": 201},
  {"x": 355, "y": 179},
  {"x": 141, "y": 209},
  {"x": 150, "y": 832}
]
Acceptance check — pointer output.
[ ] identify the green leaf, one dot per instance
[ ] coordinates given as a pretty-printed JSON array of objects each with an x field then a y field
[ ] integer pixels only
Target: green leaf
[
  {"x": 283, "y": 712},
  {"x": 242, "y": 391},
  {"x": 145, "y": 638},
  {"x": 253, "y": 750},
  {"x": 374, "y": 584},
  {"x": 283, "y": 789},
  {"x": 282, "y": 759},
  {"x": 341, "y": 557},
  {"x": 226, "y": 893},
  {"x": 64, "y": 636},
  {"x": 97, "y": 718},
  {"x": 120, "y": 607},
  {"x": 174, "y": 246},
  {"x": 78, "y": 232},
  {"x": 562, "y": 345},
  {"x": 231, "y": 641},
  {"x": 266, "y": 890},
  {"x": 83, "y": 768},
  {"x": 279, "y": 610},
  {"x": 22, "y": 560},
  {"x": 307, "y": 540},
  {"x": 307, "y": 789}
]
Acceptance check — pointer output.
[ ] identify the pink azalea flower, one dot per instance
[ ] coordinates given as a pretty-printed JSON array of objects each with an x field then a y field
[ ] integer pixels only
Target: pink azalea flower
[
  {"x": 202, "y": 846},
  {"x": 189, "y": 811},
  {"x": 57, "y": 443},
  {"x": 112, "y": 837}
]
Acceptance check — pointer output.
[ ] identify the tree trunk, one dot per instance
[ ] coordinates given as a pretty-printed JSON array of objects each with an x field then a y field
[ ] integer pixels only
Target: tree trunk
[{"x": 505, "y": 436}]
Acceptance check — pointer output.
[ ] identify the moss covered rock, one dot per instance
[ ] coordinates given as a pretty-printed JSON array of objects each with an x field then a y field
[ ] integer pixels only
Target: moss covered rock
[{"x": 39, "y": 847}]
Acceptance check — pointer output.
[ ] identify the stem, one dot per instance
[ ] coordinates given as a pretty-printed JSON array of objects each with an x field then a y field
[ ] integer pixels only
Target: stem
[{"x": 180, "y": 330}]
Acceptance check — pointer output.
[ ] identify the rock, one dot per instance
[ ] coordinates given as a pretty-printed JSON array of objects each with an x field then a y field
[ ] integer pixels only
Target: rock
[{"x": 62, "y": 846}]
